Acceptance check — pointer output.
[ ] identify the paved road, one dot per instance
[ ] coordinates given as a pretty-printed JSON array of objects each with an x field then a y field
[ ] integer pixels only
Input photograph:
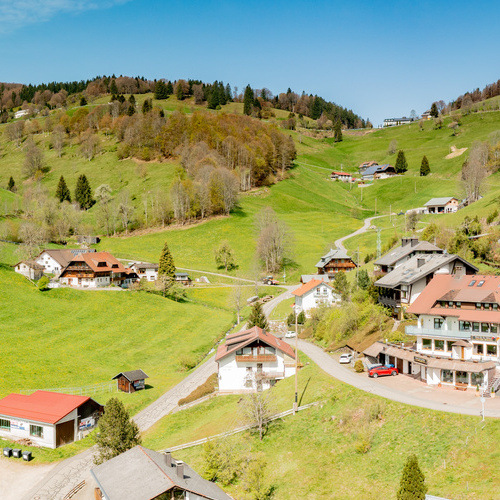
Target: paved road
[
  {"x": 368, "y": 222},
  {"x": 269, "y": 306},
  {"x": 333, "y": 368}
]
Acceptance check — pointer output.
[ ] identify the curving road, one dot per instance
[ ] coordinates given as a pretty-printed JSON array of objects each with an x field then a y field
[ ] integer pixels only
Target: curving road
[{"x": 368, "y": 222}]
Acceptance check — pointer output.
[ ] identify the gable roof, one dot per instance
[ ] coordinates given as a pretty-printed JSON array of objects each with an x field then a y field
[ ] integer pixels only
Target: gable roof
[
  {"x": 93, "y": 260},
  {"x": 132, "y": 375},
  {"x": 239, "y": 340},
  {"x": 342, "y": 173},
  {"x": 393, "y": 256},
  {"x": 61, "y": 255},
  {"x": 334, "y": 253},
  {"x": 41, "y": 406},
  {"x": 376, "y": 169},
  {"x": 145, "y": 265},
  {"x": 411, "y": 271},
  {"x": 31, "y": 264},
  {"x": 307, "y": 287},
  {"x": 143, "y": 474},
  {"x": 439, "y": 201},
  {"x": 305, "y": 278}
]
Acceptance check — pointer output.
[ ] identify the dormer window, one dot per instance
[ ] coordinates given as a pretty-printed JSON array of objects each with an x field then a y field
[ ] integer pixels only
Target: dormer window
[
  {"x": 495, "y": 307},
  {"x": 450, "y": 304},
  {"x": 478, "y": 305},
  {"x": 458, "y": 305}
]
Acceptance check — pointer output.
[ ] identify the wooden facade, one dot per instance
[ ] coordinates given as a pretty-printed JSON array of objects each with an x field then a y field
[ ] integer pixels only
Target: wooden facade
[{"x": 131, "y": 381}]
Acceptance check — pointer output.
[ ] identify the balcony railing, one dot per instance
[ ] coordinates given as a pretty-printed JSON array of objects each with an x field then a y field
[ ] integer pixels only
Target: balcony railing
[
  {"x": 388, "y": 301},
  {"x": 431, "y": 332},
  {"x": 258, "y": 358},
  {"x": 271, "y": 375}
]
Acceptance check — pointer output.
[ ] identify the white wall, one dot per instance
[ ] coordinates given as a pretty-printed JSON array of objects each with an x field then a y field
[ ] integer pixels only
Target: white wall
[
  {"x": 49, "y": 263},
  {"x": 310, "y": 299}
]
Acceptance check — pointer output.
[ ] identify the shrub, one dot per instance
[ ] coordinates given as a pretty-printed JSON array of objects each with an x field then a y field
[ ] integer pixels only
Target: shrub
[
  {"x": 43, "y": 283},
  {"x": 359, "y": 367},
  {"x": 187, "y": 362},
  {"x": 492, "y": 216},
  {"x": 202, "y": 390},
  {"x": 364, "y": 442}
]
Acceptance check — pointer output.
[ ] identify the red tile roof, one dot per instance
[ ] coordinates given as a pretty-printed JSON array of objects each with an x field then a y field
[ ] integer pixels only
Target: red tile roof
[
  {"x": 448, "y": 287},
  {"x": 239, "y": 340},
  {"x": 306, "y": 287},
  {"x": 93, "y": 259},
  {"x": 41, "y": 406},
  {"x": 341, "y": 173}
]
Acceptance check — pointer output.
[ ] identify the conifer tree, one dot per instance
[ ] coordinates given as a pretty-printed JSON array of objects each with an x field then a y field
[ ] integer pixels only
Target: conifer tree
[
  {"x": 147, "y": 106},
  {"x": 113, "y": 88},
  {"x": 83, "y": 193},
  {"x": 161, "y": 90},
  {"x": 222, "y": 94},
  {"x": 83, "y": 101},
  {"x": 338, "y": 131},
  {"x": 412, "y": 486},
  {"x": 180, "y": 92},
  {"x": 130, "y": 110},
  {"x": 11, "y": 186},
  {"x": 248, "y": 100},
  {"x": 131, "y": 99},
  {"x": 401, "y": 163},
  {"x": 424, "y": 167},
  {"x": 117, "y": 433},
  {"x": 316, "y": 108},
  {"x": 166, "y": 265},
  {"x": 214, "y": 99},
  {"x": 227, "y": 92},
  {"x": 257, "y": 317},
  {"x": 170, "y": 88},
  {"x": 434, "y": 110},
  {"x": 62, "y": 191}
]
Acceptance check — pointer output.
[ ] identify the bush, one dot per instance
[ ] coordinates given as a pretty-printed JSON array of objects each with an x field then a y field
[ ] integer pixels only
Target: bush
[
  {"x": 492, "y": 217},
  {"x": 363, "y": 443},
  {"x": 359, "y": 367},
  {"x": 43, "y": 283},
  {"x": 208, "y": 387},
  {"x": 123, "y": 151},
  {"x": 187, "y": 362}
]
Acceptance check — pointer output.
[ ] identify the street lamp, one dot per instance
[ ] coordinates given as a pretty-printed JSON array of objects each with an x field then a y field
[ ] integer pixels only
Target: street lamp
[{"x": 297, "y": 310}]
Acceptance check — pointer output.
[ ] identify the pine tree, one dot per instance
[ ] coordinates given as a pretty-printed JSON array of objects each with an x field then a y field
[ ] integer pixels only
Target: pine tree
[
  {"x": 161, "y": 90},
  {"x": 113, "y": 88},
  {"x": 316, "y": 108},
  {"x": 147, "y": 106},
  {"x": 83, "y": 193},
  {"x": 248, "y": 100},
  {"x": 424, "y": 167},
  {"x": 62, "y": 192},
  {"x": 341, "y": 285},
  {"x": 166, "y": 265},
  {"x": 222, "y": 94},
  {"x": 401, "y": 163},
  {"x": 363, "y": 279},
  {"x": 214, "y": 99},
  {"x": 117, "y": 433},
  {"x": 338, "y": 131},
  {"x": 170, "y": 88},
  {"x": 227, "y": 91},
  {"x": 434, "y": 110},
  {"x": 130, "y": 110},
  {"x": 83, "y": 101},
  {"x": 11, "y": 186},
  {"x": 179, "y": 92},
  {"x": 257, "y": 317},
  {"x": 412, "y": 486},
  {"x": 131, "y": 99}
]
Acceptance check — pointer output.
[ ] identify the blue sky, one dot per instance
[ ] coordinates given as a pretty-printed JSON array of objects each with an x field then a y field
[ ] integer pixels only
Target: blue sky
[{"x": 381, "y": 59}]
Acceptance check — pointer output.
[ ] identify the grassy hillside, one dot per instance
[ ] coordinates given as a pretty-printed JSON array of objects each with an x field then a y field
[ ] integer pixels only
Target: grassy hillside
[{"x": 316, "y": 454}]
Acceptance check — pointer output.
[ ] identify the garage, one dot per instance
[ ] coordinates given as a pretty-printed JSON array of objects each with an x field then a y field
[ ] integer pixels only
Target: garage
[{"x": 65, "y": 433}]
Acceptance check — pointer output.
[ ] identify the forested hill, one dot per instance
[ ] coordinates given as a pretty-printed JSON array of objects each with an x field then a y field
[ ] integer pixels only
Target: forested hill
[{"x": 258, "y": 102}]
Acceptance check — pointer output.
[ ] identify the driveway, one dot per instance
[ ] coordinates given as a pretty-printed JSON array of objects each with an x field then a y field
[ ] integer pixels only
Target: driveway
[{"x": 402, "y": 389}]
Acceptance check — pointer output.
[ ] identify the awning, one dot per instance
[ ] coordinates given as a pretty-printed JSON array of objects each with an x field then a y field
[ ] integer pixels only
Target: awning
[{"x": 462, "y": 343}]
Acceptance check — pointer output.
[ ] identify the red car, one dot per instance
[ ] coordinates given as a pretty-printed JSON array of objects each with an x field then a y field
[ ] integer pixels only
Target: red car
[{"x": 382, "y": 370}]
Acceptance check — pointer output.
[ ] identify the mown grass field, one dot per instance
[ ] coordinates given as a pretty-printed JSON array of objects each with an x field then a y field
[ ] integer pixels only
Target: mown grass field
[{"x": 314, "y": 454}]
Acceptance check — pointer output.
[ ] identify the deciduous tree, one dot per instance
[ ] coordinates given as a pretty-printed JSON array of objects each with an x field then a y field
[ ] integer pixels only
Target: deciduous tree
[
  {"x": 474, "y": 171},
  {"x": 224, "y": 256},
  {"x": 33, "y": 160},
  {"x": 257, "y": 407}
]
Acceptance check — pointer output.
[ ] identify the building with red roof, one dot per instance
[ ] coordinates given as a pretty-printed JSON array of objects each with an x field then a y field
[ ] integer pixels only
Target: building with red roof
[
  {"x": 253, "y": 360},
  {"x": 341, "y": 176},
  {"x": 315, "y": 293},
  {"x": 47, "y": 418}
]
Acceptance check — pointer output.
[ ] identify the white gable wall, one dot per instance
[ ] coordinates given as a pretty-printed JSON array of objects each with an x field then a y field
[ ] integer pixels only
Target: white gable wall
[
  {"x": 49, "y": 263},
  {"x": 319, "y": 295}
]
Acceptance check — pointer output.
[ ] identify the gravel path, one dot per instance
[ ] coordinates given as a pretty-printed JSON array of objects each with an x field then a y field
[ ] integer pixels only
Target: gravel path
[{"x": 368, "y": 222}]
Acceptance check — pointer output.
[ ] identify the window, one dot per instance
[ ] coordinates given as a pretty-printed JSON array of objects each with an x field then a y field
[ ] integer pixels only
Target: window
[
  {"x": 447, "y": 376},
  {"x": 4, "y": 424},
  {"x": 449, "y": 345},
  {"x": 239, "y": 352},
  {"x": 464, "y": 326},
  {"x": 462, "y": 377},
  {"x": 439, "y": 345},
  {"x": 481, "y": 283},
  {"x": 458, "y": 305},
  {"x": 450, "y": 304},
  {"x": 491, "y": 350},
  {"x": 472, "y": 283},
  {"x": 36, "y": 430},
  {"x": 495, "y": 307},
  {"x": 438, "y": 323},
  {"x": 478, "y": 305},
  {"x": 475, "y": 326},
  {"x": 479, "y": 349},
  {"x": 493, "y": 328},
  {"x": 443, "y": 304},
  {"x": 476, "y": 378},
  {"x": 485, "y": 327},
  {"x": 426, "y": 344}
]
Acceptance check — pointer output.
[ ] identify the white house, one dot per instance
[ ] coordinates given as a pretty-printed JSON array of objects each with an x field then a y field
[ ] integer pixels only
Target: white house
[
  {"x": 49, "y": 419},
  {"x": 54, "y": 260},
  {"x": 253, "y": 360},
  {"x": 21, "y": 113},
  {"x": 30, "y": 269},
  {"x": 313, "y": 294},
  {"x": 145, "y": 270},
  {"x": 444, "y": 205}
]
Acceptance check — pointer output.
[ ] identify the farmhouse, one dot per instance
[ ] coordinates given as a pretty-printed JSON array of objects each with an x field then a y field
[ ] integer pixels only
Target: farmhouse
[
  {"x": 130, "y": 381},
  {"x": 341, "y": 176},
  {"x": 442, "y": 205},
  {"x": 426, "y": 115},
  {"x": 313, "y": 294},
  {"x": 93, "y": 270},
  {"x": 406, "y": 282},
  {"x": 145, "y": 270},
  {"x": 335, "y": 261},
  {"x": 49, "y": 419},
  {"x": 143, "y": 474},
  {"x": 183, "y": 278},
  {"x": 365, "y": 165},
  {"x": 30, "y": 269},
  {"x": 392, "y": 122},
  {"x": 378, "y": 172},
  {"x": 253, "y": 360},
  {"x": 457, "y": 333},
  {"x": 55, "y": 260}
]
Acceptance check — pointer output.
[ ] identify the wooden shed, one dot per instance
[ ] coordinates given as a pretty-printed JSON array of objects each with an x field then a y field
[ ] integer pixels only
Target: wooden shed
[{"x": 131, "y": 381}]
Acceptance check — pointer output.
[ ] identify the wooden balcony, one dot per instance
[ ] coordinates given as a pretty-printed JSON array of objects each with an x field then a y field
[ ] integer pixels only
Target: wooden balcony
[{"x": 259, "y": 358}]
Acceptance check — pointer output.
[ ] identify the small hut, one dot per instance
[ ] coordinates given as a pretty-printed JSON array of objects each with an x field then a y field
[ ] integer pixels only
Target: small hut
[{"x": 131, "y": 381}]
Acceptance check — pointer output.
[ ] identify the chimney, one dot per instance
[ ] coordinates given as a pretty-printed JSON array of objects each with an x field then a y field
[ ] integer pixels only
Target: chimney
[
  {"x": 180, "y": 468},
  {"x": 420, "y": 262},
  {"x": 404, "y": 242},
  {"x": 414, "y": 242},
  {"x": 168, "y": 459}
]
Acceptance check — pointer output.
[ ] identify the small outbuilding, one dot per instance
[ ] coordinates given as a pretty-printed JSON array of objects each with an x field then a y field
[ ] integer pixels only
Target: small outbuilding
[
  {"x": 131, "y": 381},
  {"x": 444, "y": 205},
  {"x": 30, "y": 269},
  {"x": 183, "y": 278}
]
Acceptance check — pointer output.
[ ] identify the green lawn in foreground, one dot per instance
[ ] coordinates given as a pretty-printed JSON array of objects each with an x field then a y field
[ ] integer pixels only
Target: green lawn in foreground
[{"x": 313, "y": 455}]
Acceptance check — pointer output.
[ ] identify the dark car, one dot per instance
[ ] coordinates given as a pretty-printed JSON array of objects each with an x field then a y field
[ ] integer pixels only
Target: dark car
[{"x": 379, "y": 371}]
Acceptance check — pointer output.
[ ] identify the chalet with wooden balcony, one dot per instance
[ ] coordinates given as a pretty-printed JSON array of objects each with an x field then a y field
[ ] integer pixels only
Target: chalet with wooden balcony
[
  {"x": 94, "y": 270},
  {"x": 253, "y": 360},
  {"x": 335, "y": 261}
]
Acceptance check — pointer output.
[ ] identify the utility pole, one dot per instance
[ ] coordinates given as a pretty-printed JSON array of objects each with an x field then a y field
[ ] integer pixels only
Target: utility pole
[
  {"x": 390, "y": 213},
  {"x": 375, "y": 206},
  {"x": 379, "y": 243},
  {"x": 296, "y": 401}
]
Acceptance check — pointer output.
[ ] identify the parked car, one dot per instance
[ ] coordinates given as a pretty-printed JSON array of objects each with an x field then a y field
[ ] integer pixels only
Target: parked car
[
  {"x": 345, "y": 358},
  {"x": 290, "y": 334},
  {"x": 382, "y": 370}
]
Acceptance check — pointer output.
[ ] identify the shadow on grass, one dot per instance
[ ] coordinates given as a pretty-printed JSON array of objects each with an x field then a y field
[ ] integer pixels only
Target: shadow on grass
[{"x": 304, "y": 391}]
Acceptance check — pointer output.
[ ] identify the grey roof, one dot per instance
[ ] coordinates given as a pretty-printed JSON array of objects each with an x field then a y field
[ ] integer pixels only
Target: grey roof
[
  {"x": 370, "y": 171},
  {"x": 143, "y": 474},
  {"x": 334, "y": 253},
  {"x": 305, "y": 278},
  {"x": 146, "y": 265},
  {"x": 132, "y": 375},
  {"x": 400, "y": 252},
  {"x": 409, "y": 272},
  {"x": 439, "y": 201},
  {"x": 179, "y": 275}
]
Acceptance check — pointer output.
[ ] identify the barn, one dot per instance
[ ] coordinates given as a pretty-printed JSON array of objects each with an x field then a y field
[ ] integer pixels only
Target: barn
[{"x": 131, "y": 381}]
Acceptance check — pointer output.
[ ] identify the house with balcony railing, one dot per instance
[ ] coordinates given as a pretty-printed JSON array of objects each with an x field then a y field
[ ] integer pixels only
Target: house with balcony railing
[
  {"x": 253, "y": 360},
  {"x": 315, "y": 293}
]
